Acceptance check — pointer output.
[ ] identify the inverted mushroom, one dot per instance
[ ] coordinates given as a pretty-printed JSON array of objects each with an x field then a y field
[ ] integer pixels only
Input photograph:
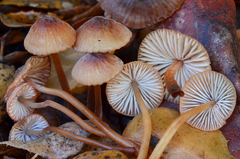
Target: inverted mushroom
[
  {"x": 176, "y": 56},
  {"x": 139, "y": 14},
  {"x": 209, "y": 100},
  {"x": 35, "y": 125},
  {"x": 137, "y": 88},
  {"x": 48, "y": 36}
]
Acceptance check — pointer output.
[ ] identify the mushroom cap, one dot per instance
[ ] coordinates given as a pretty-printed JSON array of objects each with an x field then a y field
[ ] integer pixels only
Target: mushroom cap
[
  {"x": 205, "y": 87},
  {"x": 96, "y": 68},
  {"x": 120, "y": 93},
  {"x": 137, "y": 14},
  {"x": 161, "y": 47},
  {"x": 36, "y": 68},
  {"x": 32, "y": 122},
  {"x": 17, "y": 110},
  {"x": 101, "y": 34},
  {"x": 49, "y": 35}
]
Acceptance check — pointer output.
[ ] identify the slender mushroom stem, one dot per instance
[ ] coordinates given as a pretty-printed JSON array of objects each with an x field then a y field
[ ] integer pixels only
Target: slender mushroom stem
[
  {"x": 146, "y": 122},
  {"x": 98, "y": 101},
  {"x": 90, "y": 115},
  {"x": 129, "y": 150},
  {"x": 171, "y": 83},
  {"x": 90, "y": 96},
  {"x": 62, "y": 78},
  {"x": 63, "y": 109},
  {"x": 176, "y": 124}
]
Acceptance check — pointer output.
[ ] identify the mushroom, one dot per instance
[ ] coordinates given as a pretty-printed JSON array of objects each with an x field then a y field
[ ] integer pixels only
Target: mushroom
[
  {"x": 176, "y": 56},
  {"x": 22, "y": 103},
  {"x": 35, "y": 68},
  {"x": 99, "y": 35},
  {"x": 139, "y": 14},
  {"x": 34, "y": 126},
  {"x": 137, "y": 87},
  {"x": 48, "y": 36},
  {"x": 209, "y": 100}
]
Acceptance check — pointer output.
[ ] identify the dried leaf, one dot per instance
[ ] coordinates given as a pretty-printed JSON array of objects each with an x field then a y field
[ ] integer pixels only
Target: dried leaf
[
  {"x": 28, "y": 17},
  {"x": 187, "y": 143},
  {"x": 11, "y": 152},
  {"x": 101, "y": 155},
  {"x": 11, "y": 22},
  {"x": 52, "y": 145},
  {"x": 58, "y": 4},
  {"x": 68, "y": 59}
]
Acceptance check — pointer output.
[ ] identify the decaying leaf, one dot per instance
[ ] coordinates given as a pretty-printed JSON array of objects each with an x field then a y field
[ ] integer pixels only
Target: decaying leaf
[
  {"x": 6, "y": 78},
  {"x": 68, "y": 59},
  {"x": 11, "y": 22},
  {"x": 28, "y": 17},
  {"x": 187, "y": 143},
  {"x": 113, "y": 154},
  {"x": 57, "y": 4},
  {"x": 11, "y": 152},
  {"x": 52, "y": 145}
]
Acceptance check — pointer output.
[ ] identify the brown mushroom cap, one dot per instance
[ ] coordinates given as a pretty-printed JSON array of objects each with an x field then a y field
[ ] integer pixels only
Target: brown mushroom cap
[
  {"x": 36, "y": 68},
  {"x": 49, "y": 35},
  {"x": 137, "y": 14},
  {"x": 204, "y": 87},
  {"x": 96, "y": 68},
  {"x": 101, "y": 34},
  {"x": 32, "y": 122},
  {"x": 120, "y": 92},
  {"x": 162, "y": 47},
  {"x": 17, "y": 110}
]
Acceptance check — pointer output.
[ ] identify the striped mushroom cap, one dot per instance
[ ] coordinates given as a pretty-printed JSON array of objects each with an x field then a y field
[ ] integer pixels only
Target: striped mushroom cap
[
  {"x": 120, "y": 92},
  {"x": 32, "y": 122},
  {"x": 49, "y": 35},
  {"x": 17, "y": 110},
  {"x": 162, "y": 47},
  {"x": 101, "y": 34},
  {"x": 36, "y": 68},
  {"x": 96, "y": 68},
  {"x": 204, "y": 87},
  {"x": 137, "y": 14}
]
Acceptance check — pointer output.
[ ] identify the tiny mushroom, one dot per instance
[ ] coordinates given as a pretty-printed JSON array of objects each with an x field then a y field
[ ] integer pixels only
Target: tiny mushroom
[
  {"x": 48, "y": 36},
  {"x": 137, "y": 88},
  {"x": 176, "y": 56},
  {"x": 139, "y": 14},
  {"x": 99, "y": 35},
  {"x": 209, "y": 100},
  {"x": 35, "y": 125},
  {"x": 35, "y": 68}
]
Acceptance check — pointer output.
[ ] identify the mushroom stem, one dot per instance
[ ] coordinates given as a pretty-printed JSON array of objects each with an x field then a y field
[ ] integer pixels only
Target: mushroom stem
[
  {"x": 63, "y": 109},
  {"x": 129, "y": 150},
  {"x": 90, "y": 115},
  {"x": 98, "y": 101},
  {"x": 62, "y": 78},
  {"x": 176, "y": 124},
  {"x": 171, "y": 83},
  {"x": 146, "y": 122}
]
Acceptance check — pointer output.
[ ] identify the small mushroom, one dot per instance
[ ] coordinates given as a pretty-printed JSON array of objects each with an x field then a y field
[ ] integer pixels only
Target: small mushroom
[
  {"x": 35, "y": 68},
  {"x": 99, "y": 35},
  {"x": 139, "y": 14},
  {"x": 48, "y": 36},
  {"x": 138, "y": 87},
  {"x": 209, "y": 100},
  {"x": 34, "y": 126},
  {"x": 176, "y": 56}
]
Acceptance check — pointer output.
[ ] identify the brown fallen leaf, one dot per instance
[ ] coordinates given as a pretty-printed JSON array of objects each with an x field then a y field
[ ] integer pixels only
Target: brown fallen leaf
[
  {"x": 58, "y": 4},
  {"x": 187, "y": 143},
  {"x": 113, "y": 154},
  {"x": 68, "y": 59},
  {"x": 13, "y": 57},
  {"x": 11, "y": 22},
  {"x": 28, "y": 17},
  {"x": 52, "y": 145}
]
